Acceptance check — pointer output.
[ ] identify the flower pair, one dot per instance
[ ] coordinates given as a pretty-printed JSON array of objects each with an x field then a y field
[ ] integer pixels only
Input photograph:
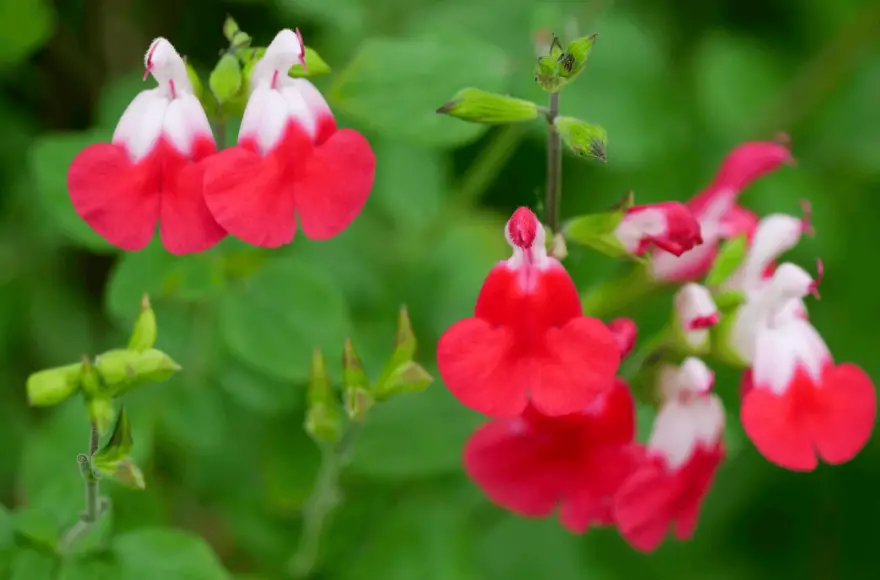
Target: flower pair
[{"x": 163, "y": 165}]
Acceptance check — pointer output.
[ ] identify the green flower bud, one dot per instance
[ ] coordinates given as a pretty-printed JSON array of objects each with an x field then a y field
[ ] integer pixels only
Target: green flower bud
[
  {"x": 230, "y": 28},
  {"x": 547, "y": 74},
  {"x": 145, "y": 330},
  {"x": 357, "y": 403},
  {"x": 90, "y": 379},
  {"x": 52, "y": 386},
  {"x": 113, "y": 459},
  {"x": 574, "y": 60},
  {"x": 101, "y": 413},
  {"x": 583, "y": 139},
  {"x": 409, "y": 377},
  {"x": 483, "y": 107},
  {"x": 124, "y": 370},
  {"x": 226, "y": 78},
  {"x": 323, "y": 418}
]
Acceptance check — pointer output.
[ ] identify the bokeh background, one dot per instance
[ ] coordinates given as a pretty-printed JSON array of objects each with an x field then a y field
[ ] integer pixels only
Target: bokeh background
[{"x": 676, "y": 85}]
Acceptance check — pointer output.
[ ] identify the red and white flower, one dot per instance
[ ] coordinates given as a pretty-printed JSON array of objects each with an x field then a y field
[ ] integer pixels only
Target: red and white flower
[
  {"x": 798, "y": 405},
  {"x": 670, "y": 226},
  {"x": 717, "y": 211},
  {"x": 696, "y": 313},
  {"x": 683, "y": 453},
  {"x": 291, "y": 159},
  {"x": 149, "y": 173},
  {"x": 534, "y": 465},
  {"x": 625, "y": 333},
  {"x": 528, "y": 339}
]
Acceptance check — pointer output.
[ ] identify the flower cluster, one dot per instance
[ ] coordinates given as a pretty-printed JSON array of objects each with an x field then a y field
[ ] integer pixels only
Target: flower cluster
[
  {"x": 561, "y": 434},
  {"x": 163, "y": 165}
]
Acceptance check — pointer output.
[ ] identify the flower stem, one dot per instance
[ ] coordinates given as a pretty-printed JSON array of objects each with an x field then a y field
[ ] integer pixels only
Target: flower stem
[
  {"x": 554, "y": 165},
  {"x": 89, "y": 517},
  {"x": 326, "y": 497}
]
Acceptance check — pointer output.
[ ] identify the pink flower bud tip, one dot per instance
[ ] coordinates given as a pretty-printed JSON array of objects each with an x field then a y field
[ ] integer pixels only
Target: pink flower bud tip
[{"x": 523, "y": 228}]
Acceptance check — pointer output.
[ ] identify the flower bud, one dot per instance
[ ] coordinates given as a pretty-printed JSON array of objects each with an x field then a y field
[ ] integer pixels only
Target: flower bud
[
  {"x": 145, "y": 329},
  {"x": 113, "y": 460},
  {"x": 547, "y": 74},
  {"x": 405, "y": 338},
  {"x": 583, "y": 139},
  {"x": 695, "y": 313},
  {"x": 124, "y": 370},
  {"x": 90, "y": 379},
  {"x": 101, "y": 414},
  {"x": 479, "y": 106},
  {"x": 574, "y": 60},
  {"x": 408, "y": 377},
  {"x": 52, "y": 386},
  {"x": 323, "y": 418},
  {"x": 358, "y": 398},
  {"x": 226, "y": 78}
]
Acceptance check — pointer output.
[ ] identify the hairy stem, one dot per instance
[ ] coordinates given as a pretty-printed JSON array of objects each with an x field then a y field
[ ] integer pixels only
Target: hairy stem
[
  {"x": 89, "y": 517},
  {"x": 326, "y": 497},
  {"x": 554, "y": 165}
]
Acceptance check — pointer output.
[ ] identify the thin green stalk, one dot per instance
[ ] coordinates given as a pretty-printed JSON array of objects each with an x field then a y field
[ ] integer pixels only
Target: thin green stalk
[
  {"x": 554, "y": 165},
  {"x": 93, "y": 505},
  {"x": 326, "y": 497}
]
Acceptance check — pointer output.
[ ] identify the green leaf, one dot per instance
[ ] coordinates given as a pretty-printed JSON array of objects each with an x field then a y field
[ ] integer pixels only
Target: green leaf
[
  {"x": 314, "y": 63},
  {"x": 597, "y": 230},
  {"x": 408, "y": 377},
  {"x": 727, "y": 302},
  {"x": 324, "y": 417},
  {"x": 25, "y": 25},
  {"x": 31, "y": 565},
  {"x": 118, "y": 447},
  {"x": 525, "y": 549},
  {"x": 6, "y": 527},
  {"x": 274, "y": 320},
  {"x": 385, "y": 85},
  {"x": 480, "y": 106},
  {"x": 730, "y": 256},
  {"x": 414, "y": 437},
  {"x": 405, "y": 169},
  {"x": 583, "y": 139},
  {"x": 256, "y": 391},
  {"x": 49, "y": 158},
  {"x": 143, "y": 336},
  {"x": 226, "y": 79},
  {"x": 88, "y": 568},
  {"x": 169, "y": 554}
]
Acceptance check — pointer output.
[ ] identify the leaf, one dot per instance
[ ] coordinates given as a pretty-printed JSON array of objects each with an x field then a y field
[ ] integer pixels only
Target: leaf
[
  {"x": 404, "y": 170},
  {"x": 597, "y": 231},
  {"x": 25, "y": 25},
  {"x": 6, "y": 527},
  {"x": 729, "y": 258},
  {"x": 414, "y": 437},
  {"x": 314, "y": 63},
  {"x": 169, "y": 554},
  {"x": 31, "y": 565},
  {"x": 275, "y": 319},
  {"x": 526, "y": 549},
  {"x": 88, "y": 568},
  {"x": 422, "y": 537},
  {"x": 256, "y": 391},
  {"x": 226, "y": 80},
  {"x": 48, "y": 162},
  {"x": 117, "y": 448},
  {"x": 387, "y": 86}
]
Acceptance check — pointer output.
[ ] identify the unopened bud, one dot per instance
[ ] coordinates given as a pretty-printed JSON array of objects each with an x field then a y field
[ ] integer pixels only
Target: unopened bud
[
  {"x": 90, "y": 379},
  {"x": 353, "y": 374},
  {"x": 230, "y": 28},
  {"x": 52, "y": 386},
  {"x": 323, "y": 418},
  {"x": 100, "y": 411},
  {"x": 479, "y": 106},
  {"x": 226, "y": 78},
  {"x": 547, "y": 74},
  {"x": 357, "y": 403},
  {"x": 574, "y": 60},
  {"x": 409, "y": 377},
  {"x": 315, "y": 65},
  {"x": 143, "y": 336},
  {"x": 405, "y": 339},
  {"x": 582, "y": 139},
  {"x": 124, "y": 370}
]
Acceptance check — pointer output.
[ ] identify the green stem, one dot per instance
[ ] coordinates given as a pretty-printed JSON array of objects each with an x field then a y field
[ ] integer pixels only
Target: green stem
[
  {"x": 325, "y": 498},
  {"x": 554, "y": 165},
  {"x": 618, "y": 294},
  {"x": 93, "y": 510}
]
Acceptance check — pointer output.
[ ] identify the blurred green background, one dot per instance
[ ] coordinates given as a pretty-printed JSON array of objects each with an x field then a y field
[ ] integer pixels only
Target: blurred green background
[{"x": 226, "y": 460}]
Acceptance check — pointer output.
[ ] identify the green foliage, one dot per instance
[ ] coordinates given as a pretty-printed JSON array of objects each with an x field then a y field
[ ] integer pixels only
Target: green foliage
[
  {"x": 151, "y": 553},
  {"x": 730, "y": 257},
  {"x": 597, "y": 231},
  {"x": 24, "y": 26}
]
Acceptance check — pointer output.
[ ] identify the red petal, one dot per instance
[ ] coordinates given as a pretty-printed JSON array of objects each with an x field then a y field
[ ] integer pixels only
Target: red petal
[
  {"x": 642, "y": 506},
  {"x": 251, "y": 196},
  {"x": 694, "y": 480},
  {"x": 577, "y": 364},
  {"x": 475, "y": 362},
  {"x": 333, "y": 188},
  {"x": 774, "y": 423},
  {"x": 516, "y": 467},
  {"x": 186, "y": 224},
  {"x": 118, "y": 199},
  {"x": 846, "y": 412},
  {"x": 552, "y": 301}
]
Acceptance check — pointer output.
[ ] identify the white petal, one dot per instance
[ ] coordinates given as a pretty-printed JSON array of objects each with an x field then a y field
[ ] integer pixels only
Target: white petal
[
  {"x": 283, "y": 52},
  {"x": 775, "y": 235},
  {"x": 694, "y": 304},
  {"x": 780, "y": 350},
  {"x": 696, "y": 377},
  {"x": 265, "y": 118},
  {"x": 140, "y": 126},
  {"x": 636, "y": 226},
  {"x": 168, "y": 68},
  {"x": 679, "y": 428},
  {"x": 314, "y": 100},
  {"x": 185, "y": 120}
]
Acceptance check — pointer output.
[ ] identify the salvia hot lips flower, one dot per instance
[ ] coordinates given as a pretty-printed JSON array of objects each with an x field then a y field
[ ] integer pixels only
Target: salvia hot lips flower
[
  {"x": 670, "y": 226},
  {"x": 534, "y": 464},
  {"x": 683, "y": 453},
  {"x": 149, "y": 171},
  {"x": 696, "y": 313},
  {"x": 528, "y": 339},
  {"x": 797, "y": 403},
  {"x": 717, "y": 211},
  {"x": 291, "y": 160}
]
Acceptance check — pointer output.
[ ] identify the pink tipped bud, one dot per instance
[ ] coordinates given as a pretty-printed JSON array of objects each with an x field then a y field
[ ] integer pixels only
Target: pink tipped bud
[
  {"x": 522, "y": 228},
  {"x": 750, "y": 161},
  {"x": 625, "y": 332},
  {"x": 670, "y": 226}
]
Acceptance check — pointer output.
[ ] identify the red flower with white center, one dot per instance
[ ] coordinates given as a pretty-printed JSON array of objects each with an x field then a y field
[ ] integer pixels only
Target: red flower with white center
[
  {"x": 149, "y": 171},
  {"x": 533, "y": 464},
  {"x": 797, "y": 403},
  {"x": 528, "y": 338},
  {"x": 625, "y": 332},
  {"x": 717, "y": 211},
  {"x": 696, "y": 313},
  {"x": 670, "y": 226},
  {"x": 291, "y": 160},
  {"x": 683, "y": 454}
]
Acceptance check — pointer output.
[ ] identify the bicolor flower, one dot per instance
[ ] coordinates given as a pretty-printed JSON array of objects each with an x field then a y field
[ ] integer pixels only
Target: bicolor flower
[
  {"x": 534, "y": 465},
  {"x": 683, "y": 453},
  {"x": 291, "y": 160},
  {"x": 670, "y": 226},
  {"x": 717, "y": 210},
  {"x": 696, "y": 313},
  {"x": 798, "y": 405},
  {"x": 625, "y": 332},
  {"x": 528, "y": 339},
  {"x": 149, "y": 172}
]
